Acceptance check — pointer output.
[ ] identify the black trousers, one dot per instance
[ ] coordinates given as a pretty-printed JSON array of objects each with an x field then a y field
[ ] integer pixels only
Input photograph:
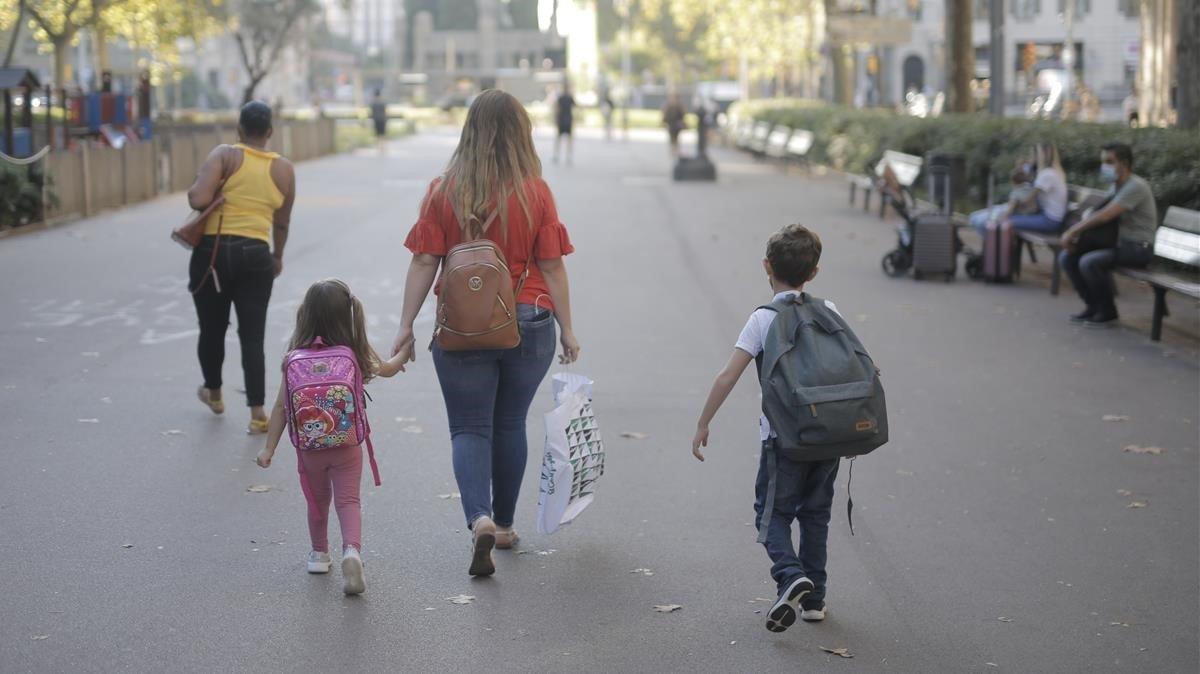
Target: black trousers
[{"x": 246, "y": 273}]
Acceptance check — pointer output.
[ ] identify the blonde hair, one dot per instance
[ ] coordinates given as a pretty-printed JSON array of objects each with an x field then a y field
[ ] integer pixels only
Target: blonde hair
[
  {"x": 330, "y": 311},
  {"x": 494, "y": 159},
  {"x": 1047, "y": 155}
]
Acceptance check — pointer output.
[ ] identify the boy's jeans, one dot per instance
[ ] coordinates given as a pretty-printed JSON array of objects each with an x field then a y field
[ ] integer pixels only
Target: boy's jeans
[{"x": 804, "y": 492}]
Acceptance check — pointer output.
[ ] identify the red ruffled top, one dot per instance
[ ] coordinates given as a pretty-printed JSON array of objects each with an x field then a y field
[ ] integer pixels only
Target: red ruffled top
[{"x": 437, "y": 231}]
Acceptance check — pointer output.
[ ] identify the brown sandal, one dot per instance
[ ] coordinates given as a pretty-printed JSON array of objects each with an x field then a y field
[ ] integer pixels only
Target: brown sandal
[
  {"x": 507, "y": 540},
  {"x": 481, "y": 552}
]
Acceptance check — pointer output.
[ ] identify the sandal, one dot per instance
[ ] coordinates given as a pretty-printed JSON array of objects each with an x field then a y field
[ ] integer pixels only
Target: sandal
[
  {"x": 217, "y": 406},
  {"x": 481, "y": 549},
  {"x": 258, "y": 426},
  {"x": 506, "y": 539}
]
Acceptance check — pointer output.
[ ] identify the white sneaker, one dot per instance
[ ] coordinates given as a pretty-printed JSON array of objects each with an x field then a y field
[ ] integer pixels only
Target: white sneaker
[
  {"x": 352, "y": 572},
  {"x": 813, "y": 615},
  {"x": 319, "y": 562}
]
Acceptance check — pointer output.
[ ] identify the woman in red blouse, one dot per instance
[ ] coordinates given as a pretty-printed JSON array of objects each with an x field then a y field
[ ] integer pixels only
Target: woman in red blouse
[{"x": 488, "y": 393}]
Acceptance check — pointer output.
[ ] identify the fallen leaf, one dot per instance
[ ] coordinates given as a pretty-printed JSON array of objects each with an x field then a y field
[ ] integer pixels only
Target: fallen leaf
[
  {"x": 906, "y": 473},
  {"x": 447, "y": 497},
  {"x": 413, "y": 429},
  {"x": 762, "y": 599},
  {"x": 644, "y": 572},
  {"x": 89, "y": 421},
  {"x": 1137, "y": 449},
  {"x": 405, "y": 420},
  {"x": 106, "y": 400},
  {"x": 1004, "y": 620},
  {"x": 40, "y": 340},
  {"x": 430, "y": 608},
  {"x": 1137, "y": 504},
  {"x": 731, "y": 643},
  {"x": 127, "y": 545},
  {"x": 1124, "y": 492},
  {"x": 991, "y": 664},
  {"x": 667, "y": 608},
  {"x": 40, "y": 637},
  {"x": 1119, "y": 624},
  {"x": 634, "y": 435},
  {"x": 461, "y": 599},
  {"x": 258, "y": 488},
  {"x": 840, "y": 652},
  {"x": 1115, "y": 417},
  {"x": 90, "y": 354},
  {"x": 173, "y": 431},
  {"x": 547, "y": 553}
]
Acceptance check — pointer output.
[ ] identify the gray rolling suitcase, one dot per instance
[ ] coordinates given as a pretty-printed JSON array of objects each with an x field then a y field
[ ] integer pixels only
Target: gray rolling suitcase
[{"x": 935, "y": 249}]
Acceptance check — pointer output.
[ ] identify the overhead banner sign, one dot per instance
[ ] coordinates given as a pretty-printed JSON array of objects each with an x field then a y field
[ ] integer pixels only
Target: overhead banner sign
[{"x": 873, "y": 30}]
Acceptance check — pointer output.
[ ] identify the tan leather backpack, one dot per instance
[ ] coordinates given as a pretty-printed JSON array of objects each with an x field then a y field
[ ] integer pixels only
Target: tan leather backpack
[{"x": 477, "y": 306}]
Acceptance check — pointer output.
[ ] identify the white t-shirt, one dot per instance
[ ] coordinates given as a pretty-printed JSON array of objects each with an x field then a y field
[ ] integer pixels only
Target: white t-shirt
[
  {"x": 754, "y": 338},
  {"x": 1053, "y": 195}
]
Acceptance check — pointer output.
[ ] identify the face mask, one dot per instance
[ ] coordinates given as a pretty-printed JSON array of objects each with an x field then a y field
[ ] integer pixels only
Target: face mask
[{"x": 1108, "y": 173}]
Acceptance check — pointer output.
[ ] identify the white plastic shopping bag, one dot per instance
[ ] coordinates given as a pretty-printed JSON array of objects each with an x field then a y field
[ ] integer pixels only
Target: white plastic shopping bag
[{"x": 574, "y": 456}]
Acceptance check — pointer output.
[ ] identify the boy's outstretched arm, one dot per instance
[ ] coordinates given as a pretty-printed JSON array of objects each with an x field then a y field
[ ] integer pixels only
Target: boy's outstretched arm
[
  {"x": 727, "y": 378},
  {"x": 274, "y": 428}
]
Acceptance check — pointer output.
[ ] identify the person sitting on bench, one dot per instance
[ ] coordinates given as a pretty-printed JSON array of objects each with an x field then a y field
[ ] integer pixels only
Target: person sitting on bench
[{"x": 1088, "y": 262}]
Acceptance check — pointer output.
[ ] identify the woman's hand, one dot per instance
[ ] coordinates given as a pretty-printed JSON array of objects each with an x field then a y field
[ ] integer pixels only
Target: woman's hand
[
  {"x": 701, "y": 440},
  {"x": 403, "y": 348},
  {"x": 1068, "y": 238},
  {"x": 264, "y": 457},
  {"x": 570, "y": 348}
]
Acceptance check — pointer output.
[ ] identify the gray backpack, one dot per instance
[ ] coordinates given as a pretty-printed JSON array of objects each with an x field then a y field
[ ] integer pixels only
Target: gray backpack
[{"x": 820, "y": 389}]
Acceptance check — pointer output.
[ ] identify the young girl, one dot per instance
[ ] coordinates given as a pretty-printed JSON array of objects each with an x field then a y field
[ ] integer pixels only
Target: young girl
[{"x": 333, "y": 314}]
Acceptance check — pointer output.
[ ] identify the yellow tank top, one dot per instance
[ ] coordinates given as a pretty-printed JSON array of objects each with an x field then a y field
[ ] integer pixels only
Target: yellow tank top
[{"x": 251, "y": 198}]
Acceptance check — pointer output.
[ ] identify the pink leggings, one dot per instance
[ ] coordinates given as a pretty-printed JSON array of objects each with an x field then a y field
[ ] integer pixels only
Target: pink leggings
[{"x": 336, "y": 474}]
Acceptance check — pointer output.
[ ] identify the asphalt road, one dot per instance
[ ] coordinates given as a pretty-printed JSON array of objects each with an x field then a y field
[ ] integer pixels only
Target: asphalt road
[{"x": 995, "y": 531}]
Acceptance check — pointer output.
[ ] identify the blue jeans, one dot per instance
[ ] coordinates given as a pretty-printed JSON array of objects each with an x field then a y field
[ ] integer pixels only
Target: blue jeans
[
  {"x": 488, "y": 394},
  {"x": 803, "y": 492},
  {"x": 1089, "y": 273},
  {"x": 1036, "y": 222}
]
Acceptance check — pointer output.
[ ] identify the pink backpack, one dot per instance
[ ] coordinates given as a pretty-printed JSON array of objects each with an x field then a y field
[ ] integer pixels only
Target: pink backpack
[{"x": 326, "y": 401}]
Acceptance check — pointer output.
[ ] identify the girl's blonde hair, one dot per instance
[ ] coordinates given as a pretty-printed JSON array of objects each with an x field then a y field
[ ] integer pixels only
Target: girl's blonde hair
[
  {"x": 330, "y": 311},
  {"x": 494, "y": 159}
]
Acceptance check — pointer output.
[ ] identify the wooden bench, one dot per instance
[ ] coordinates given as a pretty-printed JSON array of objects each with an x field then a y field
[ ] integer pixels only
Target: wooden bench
[
  {"x": 758, "y": 138},
  {"x": 1079, "y": 200},
  {"x": 777, "y": 140},
  {"x": 905, "y": 167},
  {"x": 1176, "y": 241}
]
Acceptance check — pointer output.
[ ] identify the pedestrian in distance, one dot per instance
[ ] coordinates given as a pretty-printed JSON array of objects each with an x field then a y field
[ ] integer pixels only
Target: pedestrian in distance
[
  {"x": 243, "y": 242},
  {"x": 607, "y": 107},
  {"x": 564, "y": 119},
  {"x": 329, "y": 451},
  {"x": 673, "y": 119},
  {"x": 492, "y": 190},
  {"x": 379, "y": 117},
  {"x": 796, "y": 476},
  {"x": 1119, "y": 232}
]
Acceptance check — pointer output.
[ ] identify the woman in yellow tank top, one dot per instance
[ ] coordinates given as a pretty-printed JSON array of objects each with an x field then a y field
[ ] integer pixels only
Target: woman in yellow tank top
[{"x": 259, "y": 188}]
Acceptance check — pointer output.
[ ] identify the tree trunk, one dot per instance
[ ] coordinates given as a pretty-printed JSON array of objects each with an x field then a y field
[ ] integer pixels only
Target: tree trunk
[
  {"x": 62, "y": 51},
  {"x": 100, "y": 40},
  {"x": 1187, "y": 64},
  {"x": 960, "y": 56},
  {"x": 248, "y": 92},
  {"x": 16, "y": 35}
]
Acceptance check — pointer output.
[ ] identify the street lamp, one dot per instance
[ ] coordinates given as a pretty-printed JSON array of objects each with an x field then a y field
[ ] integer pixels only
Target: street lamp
[{"x": 623, "y": 9}]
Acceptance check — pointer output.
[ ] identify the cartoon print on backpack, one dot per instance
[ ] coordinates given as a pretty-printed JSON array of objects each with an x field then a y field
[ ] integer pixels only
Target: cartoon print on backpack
[{"x": 324, "y": 420}]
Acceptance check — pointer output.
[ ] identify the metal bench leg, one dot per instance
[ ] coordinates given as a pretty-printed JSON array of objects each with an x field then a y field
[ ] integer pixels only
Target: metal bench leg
[
  {"x": 853, "y": 189},
  {"x": 866, "y": 200},
  {"x": 1055, "y": 272},
  {"x": 1160, "y": 310}
]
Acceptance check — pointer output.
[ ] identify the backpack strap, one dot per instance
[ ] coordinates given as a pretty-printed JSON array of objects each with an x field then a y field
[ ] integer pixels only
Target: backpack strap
[
  {"x": 764, "y": 518},
  {"x": 371, "y": 458}
]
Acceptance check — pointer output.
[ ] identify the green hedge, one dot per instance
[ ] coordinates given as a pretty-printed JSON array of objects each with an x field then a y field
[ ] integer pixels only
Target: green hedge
[
  {"x": 21, "y": 195},
  {"x": 854, "y": 140}
]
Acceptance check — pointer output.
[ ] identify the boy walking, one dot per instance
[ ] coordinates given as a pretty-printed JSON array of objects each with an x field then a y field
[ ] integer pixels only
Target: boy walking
[{"x": 795, "y": 479}]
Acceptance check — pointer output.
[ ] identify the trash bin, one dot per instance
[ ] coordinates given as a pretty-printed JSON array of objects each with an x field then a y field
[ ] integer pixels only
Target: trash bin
[{"x": 947, "y": 171}]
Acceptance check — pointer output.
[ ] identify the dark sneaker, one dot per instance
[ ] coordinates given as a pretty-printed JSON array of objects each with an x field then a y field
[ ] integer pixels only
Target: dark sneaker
[
  {"x": 813, "y": 613},
  {"x": 1099, "y": 320},
  {"x": 783, "y": 612},
  {"x": 1083, "y": 316}
]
